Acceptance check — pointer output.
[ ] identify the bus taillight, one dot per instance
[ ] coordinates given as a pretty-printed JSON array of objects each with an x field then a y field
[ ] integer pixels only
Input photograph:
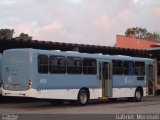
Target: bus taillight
[{"x": 29, "y": 84}]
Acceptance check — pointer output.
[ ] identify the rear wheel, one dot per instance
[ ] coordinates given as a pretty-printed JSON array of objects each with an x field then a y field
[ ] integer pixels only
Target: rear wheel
[
  {"x": 82, "y": 97},
  {"x": 138, "y": 95}
]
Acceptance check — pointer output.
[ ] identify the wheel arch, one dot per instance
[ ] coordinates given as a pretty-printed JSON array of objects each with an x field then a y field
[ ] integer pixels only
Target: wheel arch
[
  {"x": 140, "y": 88},
  {"x": 86, "y": 89}
]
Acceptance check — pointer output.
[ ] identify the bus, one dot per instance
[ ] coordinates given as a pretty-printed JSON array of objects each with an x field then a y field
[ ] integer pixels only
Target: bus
[{"x": 67, "y": 75}]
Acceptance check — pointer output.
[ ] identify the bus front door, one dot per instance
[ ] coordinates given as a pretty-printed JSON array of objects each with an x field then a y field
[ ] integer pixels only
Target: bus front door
[{"x": 104, "y": 71}]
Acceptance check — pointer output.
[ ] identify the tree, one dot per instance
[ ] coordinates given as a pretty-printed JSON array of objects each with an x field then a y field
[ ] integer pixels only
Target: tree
[
  {"x": 142, "y": 33},
  {"x": 130, "y": 32},
  {"x": 24, "y": 37},
  {"x": 6, "y": 33}
]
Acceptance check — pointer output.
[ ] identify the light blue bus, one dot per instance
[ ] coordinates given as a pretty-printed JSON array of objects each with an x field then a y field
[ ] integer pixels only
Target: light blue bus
[{"x": 75, "y": 76}]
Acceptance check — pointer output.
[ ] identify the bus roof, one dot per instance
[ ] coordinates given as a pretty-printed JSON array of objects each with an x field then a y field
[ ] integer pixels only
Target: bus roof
[{"x": 77, "y": 54}]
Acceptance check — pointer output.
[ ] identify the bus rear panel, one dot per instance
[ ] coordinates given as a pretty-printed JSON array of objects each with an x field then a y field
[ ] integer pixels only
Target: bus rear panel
[{"x": 16, "y": 71}]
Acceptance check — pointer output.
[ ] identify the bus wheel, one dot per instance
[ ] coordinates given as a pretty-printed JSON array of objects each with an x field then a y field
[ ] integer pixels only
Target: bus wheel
[
  {"x": 138, "y": 95},
  {"x": 82, "y": 97}
]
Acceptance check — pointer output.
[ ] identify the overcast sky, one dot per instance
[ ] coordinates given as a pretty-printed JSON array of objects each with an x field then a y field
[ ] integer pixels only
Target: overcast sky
[{"x": 94, "y": 22}]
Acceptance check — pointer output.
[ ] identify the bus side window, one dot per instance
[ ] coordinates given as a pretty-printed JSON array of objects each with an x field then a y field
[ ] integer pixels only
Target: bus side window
[
  {"x": 57, "y": 64},
  {"x": 128, "y": 67},
  {"x": 139, "y": 68},
  {"x": 74, "y": 65},
  {"x": 43, "y": 64},
  {"x": 117, "y": 67},
  {"x": 89, "y": 66}
]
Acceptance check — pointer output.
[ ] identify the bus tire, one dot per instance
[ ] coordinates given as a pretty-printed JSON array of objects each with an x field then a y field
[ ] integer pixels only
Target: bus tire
[
  {"x": 82, "y": 97},
  {"x": 138, "y": 95}
]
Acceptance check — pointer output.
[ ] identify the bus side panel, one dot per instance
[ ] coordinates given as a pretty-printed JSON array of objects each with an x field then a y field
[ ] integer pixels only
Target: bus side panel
[
  {"x": 62, "y": 86},
  {"x": 70, "y": 94},
  {"x": 125, "y": 86},
  {"x": 58, "y": 86}
]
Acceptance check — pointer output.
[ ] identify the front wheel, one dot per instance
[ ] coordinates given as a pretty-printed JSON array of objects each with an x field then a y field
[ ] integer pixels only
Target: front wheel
[
  {"x": 82, "y": 97},
  {"x": 138, "y": 96}
]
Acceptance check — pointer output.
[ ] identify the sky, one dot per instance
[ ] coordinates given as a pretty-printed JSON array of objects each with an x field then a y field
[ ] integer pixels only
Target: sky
[{"x": 93, "y": 22}]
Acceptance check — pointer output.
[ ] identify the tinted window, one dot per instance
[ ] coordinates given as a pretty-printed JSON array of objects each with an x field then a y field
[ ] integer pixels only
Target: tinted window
[
  {"x": 89, "y": 66},
  {"x": 139, "y": 68},
  {"x": 43, "y": 64},
  {"x": 117, "y": 67},
  {"x": 74, "y": 65},
  {"x": 128, "y": 67},
  {"x": 57, "y": 64},
  {"x": 105, "y": 70}
]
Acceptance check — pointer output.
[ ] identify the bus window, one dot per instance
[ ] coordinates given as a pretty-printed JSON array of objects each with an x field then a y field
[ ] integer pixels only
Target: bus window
[
  {"x": 105, "y": 70},
  {"x": 74, "y": 65},
  {"x": 139, "y": 68},
  {"x": 117, "y": 67},
  {"x": 128, "y": 67},
  {"x": 100, "y": 70},
  {"x": 57, "y": 64},
  {"x": 89, "y": 66},
  {"x": 43, "y": 64}
]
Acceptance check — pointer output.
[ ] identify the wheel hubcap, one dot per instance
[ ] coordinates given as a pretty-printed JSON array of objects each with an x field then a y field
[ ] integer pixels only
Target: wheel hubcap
[
  {"x": 138, "y": 95},
  {"x": 83, "y": 98}
]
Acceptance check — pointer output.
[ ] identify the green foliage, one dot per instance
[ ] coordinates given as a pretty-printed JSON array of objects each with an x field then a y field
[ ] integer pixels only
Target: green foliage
[
  {"x": 142, "y": 33},
  {"x": 24, "y": 37},
  {"x": 6, "y": 33}
]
